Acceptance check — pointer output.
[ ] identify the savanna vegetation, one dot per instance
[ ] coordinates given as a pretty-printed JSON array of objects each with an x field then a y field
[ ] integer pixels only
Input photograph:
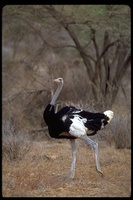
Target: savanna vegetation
[{"x": 89, "y": 46}]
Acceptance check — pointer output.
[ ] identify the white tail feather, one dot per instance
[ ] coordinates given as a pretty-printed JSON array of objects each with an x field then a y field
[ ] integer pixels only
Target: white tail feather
[{"x": 109, "y": 114}]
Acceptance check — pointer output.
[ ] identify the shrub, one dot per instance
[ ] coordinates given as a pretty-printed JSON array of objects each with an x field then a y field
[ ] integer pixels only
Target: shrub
[
  {"x": 121, "y": 129},
  {"x": 15, "y": 144}
]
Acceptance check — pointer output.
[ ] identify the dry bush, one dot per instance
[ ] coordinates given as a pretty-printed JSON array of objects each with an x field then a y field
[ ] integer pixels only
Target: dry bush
[
  {"x": 15, "y": 145},
  {"x": 121, "y": 129}
]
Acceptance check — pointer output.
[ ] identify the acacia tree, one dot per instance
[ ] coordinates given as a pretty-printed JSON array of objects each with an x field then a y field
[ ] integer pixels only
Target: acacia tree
[
  {"x": 100, "y": 34},
  {"x": 105, "y": 70}
]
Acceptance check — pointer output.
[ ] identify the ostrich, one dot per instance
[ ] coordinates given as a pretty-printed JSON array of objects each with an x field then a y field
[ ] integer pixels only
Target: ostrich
[{"x": 72, "y": 123}]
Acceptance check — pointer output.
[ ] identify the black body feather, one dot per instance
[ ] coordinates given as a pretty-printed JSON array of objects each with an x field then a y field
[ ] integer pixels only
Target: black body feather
[{"x": 59, "y": 127}]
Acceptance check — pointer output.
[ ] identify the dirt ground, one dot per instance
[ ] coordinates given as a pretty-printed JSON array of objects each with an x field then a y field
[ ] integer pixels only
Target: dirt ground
[{"x": 44, "y": 172}]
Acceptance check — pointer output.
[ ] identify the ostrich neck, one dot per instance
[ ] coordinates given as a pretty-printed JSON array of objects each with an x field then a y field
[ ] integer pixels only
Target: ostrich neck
[{"x": 57, "y": 92}]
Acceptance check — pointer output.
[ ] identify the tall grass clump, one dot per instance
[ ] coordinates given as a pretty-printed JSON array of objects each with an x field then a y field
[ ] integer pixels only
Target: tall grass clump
[
  {"x": 15, "y": 143},
  {"x": 121, "y": 129}
]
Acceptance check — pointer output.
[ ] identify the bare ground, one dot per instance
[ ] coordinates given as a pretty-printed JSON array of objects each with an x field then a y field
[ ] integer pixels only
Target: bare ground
[{"x": 44, "y": 172}]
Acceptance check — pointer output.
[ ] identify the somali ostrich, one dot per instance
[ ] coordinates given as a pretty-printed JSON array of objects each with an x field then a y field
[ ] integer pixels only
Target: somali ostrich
[{"x": 71, "y": 123}]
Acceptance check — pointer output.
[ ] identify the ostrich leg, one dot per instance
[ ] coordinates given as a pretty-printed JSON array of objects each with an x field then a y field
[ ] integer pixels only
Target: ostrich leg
[
  {"x": 74, "y": 150},
  {"x": 95, "y": 147}
]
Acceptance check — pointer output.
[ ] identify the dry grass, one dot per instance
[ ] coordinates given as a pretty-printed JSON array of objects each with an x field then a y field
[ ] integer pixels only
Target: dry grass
[
  {"x": 44, "y": 172},
  {"x": 15, "y": 144},
  {"x": 41, "y": 169}
]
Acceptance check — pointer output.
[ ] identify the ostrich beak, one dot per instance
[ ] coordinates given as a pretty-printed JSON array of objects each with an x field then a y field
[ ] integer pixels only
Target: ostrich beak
[{"x": 56, "y": 80}]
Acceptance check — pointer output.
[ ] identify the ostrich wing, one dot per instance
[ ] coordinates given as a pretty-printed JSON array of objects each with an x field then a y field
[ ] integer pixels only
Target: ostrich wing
[{"x": 82, "y": 122}]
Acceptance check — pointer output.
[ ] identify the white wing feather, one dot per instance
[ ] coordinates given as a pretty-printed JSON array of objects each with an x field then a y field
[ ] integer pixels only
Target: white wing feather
[
  {"x": 77, "y": 127},
  {"x": 109, "y": 114}
]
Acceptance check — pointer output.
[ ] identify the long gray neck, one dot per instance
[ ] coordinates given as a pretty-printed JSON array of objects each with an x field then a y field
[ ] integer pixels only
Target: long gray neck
[{"x": 57, "y": 92}]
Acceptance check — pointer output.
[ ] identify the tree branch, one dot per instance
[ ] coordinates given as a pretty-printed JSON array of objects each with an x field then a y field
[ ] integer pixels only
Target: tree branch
[
  {"x": 107, "y": 47},
  {"x": 94, "y": 42},
  {"x": 60, "y": 18},
  {"x": 17, "y": 94}
]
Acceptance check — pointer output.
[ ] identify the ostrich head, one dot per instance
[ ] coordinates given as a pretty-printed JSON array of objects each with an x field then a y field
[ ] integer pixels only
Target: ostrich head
[{"x": 58, "y": 80}]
